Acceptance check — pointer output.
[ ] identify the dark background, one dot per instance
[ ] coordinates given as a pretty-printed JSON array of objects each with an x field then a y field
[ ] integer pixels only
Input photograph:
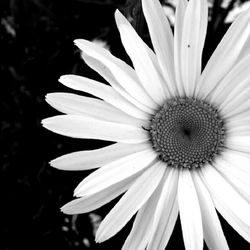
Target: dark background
[{"x": 36, "y": 47}]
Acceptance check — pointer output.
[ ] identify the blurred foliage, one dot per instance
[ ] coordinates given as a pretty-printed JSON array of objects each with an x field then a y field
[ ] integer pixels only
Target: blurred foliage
[{"x": 36, "y": 47}]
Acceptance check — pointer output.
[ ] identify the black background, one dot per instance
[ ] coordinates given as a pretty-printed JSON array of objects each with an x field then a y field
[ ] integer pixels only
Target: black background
[{"x": 36, "y": 47}]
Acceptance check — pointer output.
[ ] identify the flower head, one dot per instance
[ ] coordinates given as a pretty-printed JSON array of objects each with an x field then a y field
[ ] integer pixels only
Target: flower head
[{"x": 182, "y": 136}]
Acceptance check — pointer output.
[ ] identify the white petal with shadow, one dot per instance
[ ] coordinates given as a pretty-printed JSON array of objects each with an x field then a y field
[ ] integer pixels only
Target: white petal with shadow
[
  {"x": 162, "y": 38},
  {"x": 118, "y": 74},
  {"x": 228, "y": 197},
  {"x": 213, "y": 233},
  {"x": 239, "y": 125},
  {"x": 143, "y": 60},
  {"x": 130, "y": 203},
  {"x": 235, "y": 168},
  {"x": 178, "y": 30},
  {"x": 114, "y": 172},
  {"x": 104, "y": 92},
  {"x": 240, "y": 143},
  {"x": 139, "y": 235},
  {"x": 228, "y": 52},
  {"x": 231, "y": 216},
  {"x": 89, "y": 159},
  {"x": 73, "y": 104},
  {"x": 192, "y": 42},
  {"x": 84, "y": 127},
  {"x": 239, "y": 102},
  {"x": 166, "y": 212},
  {"x": 190, "y": 214},
  {"x": 89, "y": 203},
  {"x": 228, "y": 88}
]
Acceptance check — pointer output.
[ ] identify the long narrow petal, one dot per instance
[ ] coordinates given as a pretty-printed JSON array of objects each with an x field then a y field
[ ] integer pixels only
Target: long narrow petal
[
  {"x": 90, "y": 159},
  {"x": 229, "y": 87},
  {"x": 162, "y": 39},
  {"x": 240, "y": 226},
  {"x": 193, "y": 37},
  {"x": 239, "y": 126},
  {"x": 89, "y": 203},
  {"x": 139, "y": 235},
  {"x": 118, "y": 74},
  {"x": 142, "y": 58},
  {"x": 212, "y": 230},
  {"x": 179, "y": 14},
  {"x": 240, "y": 103},
  {"x": 223, "y": 192},
  {"x": 73, "y": 104},
  {"x": 169, "y": 226},
  {"x": 232, "y": 217},
  {"x": 165, "y": 214},
  {"x": 228, "y": 52},
  {"x": 236, "y": 172},
  {"x": 240, "y": 143},
  {"x": 190, "y": 213},
  {"x": 241, "y": 161},
  {"x": 114, "y": 172},
  {"x": 104, "y": 92},
  {"x": 242, "y": 113},
  {"x": 90, "y": 128},
  {"x": 131, "y": 202}
]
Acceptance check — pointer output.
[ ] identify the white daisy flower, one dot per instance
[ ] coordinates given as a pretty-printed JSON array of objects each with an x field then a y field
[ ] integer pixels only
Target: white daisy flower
[{"x": 182, "y": 136}]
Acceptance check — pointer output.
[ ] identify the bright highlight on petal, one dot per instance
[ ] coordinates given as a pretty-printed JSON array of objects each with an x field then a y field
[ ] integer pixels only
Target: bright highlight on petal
[
  {"x": 181, "y": 136},
  {"x": 228, "y": 52},
  {"x": 144, "y": 60},
  {"x": 190, "y": 213},
  {"x": 130, "y": 203},
  {"x": 193, "y": 37},
  {"x": 162, "y": 39},
  {"x": 104, "y": 92},
  {"x": 114, "y": 172},
  {"x": 90, "y": 128},
  {"x": 90, "y": 159},
  {"x": 72, "y": 104},
  {"x": 125, "y": 80}
]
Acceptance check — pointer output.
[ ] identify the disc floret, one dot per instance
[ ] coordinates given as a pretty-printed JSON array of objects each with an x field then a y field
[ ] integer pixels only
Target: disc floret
[{"x": 187, "y": 132}]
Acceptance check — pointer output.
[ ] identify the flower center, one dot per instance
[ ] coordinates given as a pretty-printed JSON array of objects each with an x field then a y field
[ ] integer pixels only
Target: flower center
[{"x": 187, "y": 132}]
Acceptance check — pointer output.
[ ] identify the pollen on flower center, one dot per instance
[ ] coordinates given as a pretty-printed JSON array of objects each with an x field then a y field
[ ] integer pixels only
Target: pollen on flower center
[{"x": 187, "y": 132}]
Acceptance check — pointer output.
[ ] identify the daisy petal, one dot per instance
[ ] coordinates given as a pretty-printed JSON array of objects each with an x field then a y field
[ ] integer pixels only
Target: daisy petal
[
  {"x": 228, "y": 52},
  {"x": 228, "y": 197},
  {"x": 242, "y": 228},
  {"x": 190, "y": 213},
  {"x": 80, "y": 105},
  {"x": 165, "y": 214},
  {"x": 192, "y": 42},
  {"x": 169, "y": 226},
  {"x": 104, "y": 92},
  {"x": 162, "y": 39},
  {"x": 239, "y": 143},
  {"x": 237, "y": 174},
  {"x": 227, "y": 91},
  {"x": 88, "y": 203},
  {"x": 241, "y": 161},
  {"x": 179, "y": 14},
  {"x": 238, "y": 125},
  {"x": 142, "y": 58},
  {"x": 114, "y": 172},
  {"x": 239, "y": 102},
  {"x": 212, "y": 230},
  {"x": 90, "y": 128},
  {"x": 130, "y": 203},
  {"x": 90, "y": 159},
  {"x": 138, "y": 237},
  {"x": 118, "y": 74}
]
